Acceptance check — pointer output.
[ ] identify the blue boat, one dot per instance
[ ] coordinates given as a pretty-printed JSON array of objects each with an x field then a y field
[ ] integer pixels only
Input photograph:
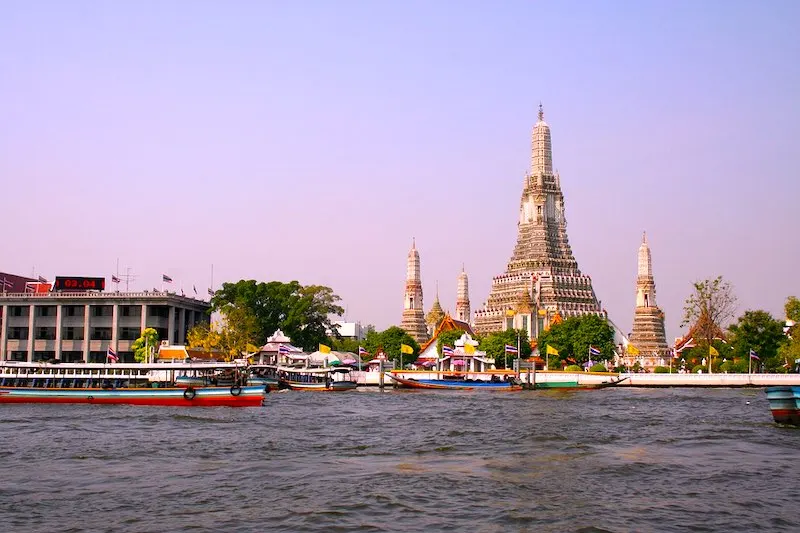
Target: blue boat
[
  {"x": 457, "y": 384},
  {"x": 784, "y": 402}
]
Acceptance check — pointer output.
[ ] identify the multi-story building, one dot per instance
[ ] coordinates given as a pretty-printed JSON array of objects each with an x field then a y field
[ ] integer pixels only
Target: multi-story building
[{"x": 82, "y": 326}]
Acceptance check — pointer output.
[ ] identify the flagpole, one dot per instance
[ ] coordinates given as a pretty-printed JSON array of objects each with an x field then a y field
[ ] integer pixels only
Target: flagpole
[{"x": 749, "y": 362}]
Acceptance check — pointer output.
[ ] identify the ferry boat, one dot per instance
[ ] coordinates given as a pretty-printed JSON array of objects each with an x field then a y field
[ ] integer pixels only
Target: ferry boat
[
  {"x": 332, "y": 379},
  {"x": 457, "y": 383},
  {"x": 784, "y": 403},
  {"x": 125, "y": 383}
]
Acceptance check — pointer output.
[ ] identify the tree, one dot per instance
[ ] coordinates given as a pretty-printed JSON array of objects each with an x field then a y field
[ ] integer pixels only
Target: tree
[
  {"x": 573, "y": 337},
  {"x": 141, "y": 346},
  {"x": 302, "y": 313},
  {"x": 789, "y": 351},
  {"x": 233, "y": 336},
  {"x": 390, "y": 340},
  {"x": 760, "y": 332},
  {"x": 448, "y": 338},
  {"x": 710, "y": 306},
  {"x": 494, "y": 344}
]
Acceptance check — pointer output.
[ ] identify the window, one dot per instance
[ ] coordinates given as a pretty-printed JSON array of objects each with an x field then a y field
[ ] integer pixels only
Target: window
[
  {"x": 102, "y": 310},
  {"x": 46, "y": 310},
  {"x": 131, "y": 310},
  {"x": 101, "y": 334},
  {"x": 46, "y": 333},
  {"x": 17, "y": 310},
  {"x": 72, "y": 334},
  {"x": 73, "y": 310},
  {"x": 18, "y": 333},
  {"x": 129, "y": 334}
]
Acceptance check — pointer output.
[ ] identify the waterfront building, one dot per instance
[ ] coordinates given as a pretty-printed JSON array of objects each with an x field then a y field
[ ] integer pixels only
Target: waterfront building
[
  {"x": 349, "y": 330},
  {"x": 428, "y": 350},
  {"x": 83, "y": 326},
  {"x": 648, "y": 335},
  {"x": 413, "y": 315},
  {"x": 463, "y": 312},
  {"x": 542, "y": 278},
  {"x": 279, "y": 350}
]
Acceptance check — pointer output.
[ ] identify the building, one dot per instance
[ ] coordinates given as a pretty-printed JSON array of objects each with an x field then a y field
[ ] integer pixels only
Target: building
[
  {"x": 435, "y": 315},
  {"x": 83, "y": 326},
  {"x": 648, "y": 336},
  {"x": 349, "y": 330},
  {"x": 463, "y": 312},
  {"x": 542, "y": 278},
  {"x": 413, "y": 315}
]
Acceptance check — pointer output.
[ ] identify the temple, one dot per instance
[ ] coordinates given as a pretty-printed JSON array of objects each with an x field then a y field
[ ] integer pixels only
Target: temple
[
  {"x": 413, "y": 316},
  {"x": 542, "y": 280},
  {"x": 648, "y": 335},
  {"x": 462, "y": 298}
]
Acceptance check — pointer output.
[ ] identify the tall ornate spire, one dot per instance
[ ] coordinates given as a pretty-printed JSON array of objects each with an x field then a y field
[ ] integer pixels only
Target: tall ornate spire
[
  {"x": 413, "y": 316},
  {"x": 542, "y": 264},
  {"x": 436, "y": 314},
  {"x": 542, "y": 148},
  {"x": 648, "y": 322},
  {"x": 463, "y": 311}
]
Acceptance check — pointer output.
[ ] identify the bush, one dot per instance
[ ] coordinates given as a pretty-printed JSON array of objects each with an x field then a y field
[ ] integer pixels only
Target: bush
[
  {"x": 598, "y": 367},
  {"x": 573, "y": 368},
  {"x": 661, "y": 370},
  {"x": 698, "y": 367}
]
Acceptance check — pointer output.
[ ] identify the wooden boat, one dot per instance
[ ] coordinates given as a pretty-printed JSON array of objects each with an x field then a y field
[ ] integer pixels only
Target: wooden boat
[
  {"x": 235, "y": 396},
  {"x": 266, "y": 375},
  {"x": 455, "y": 384},
  {"x": 125, "y": 383},
  {"x": 336, "y": 379},
  {"x": 784, "y": 402},
  {"x": 574, "y": 384}
]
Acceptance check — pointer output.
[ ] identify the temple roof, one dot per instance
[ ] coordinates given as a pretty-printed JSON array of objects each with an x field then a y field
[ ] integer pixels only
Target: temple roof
[{"x": 448, "y": 323}]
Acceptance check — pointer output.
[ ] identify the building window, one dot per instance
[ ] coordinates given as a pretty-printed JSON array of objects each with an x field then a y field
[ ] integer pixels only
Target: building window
[
  {"x": 158, "y": 311},
  {"x": 102, "y": 310},
  {"x": 73, "y": 310},
  {"x": 129, "y": 334},
  {"x": 72, "y": 334},
  {"x": 131, "y": 310},
  {"x": 46, "y": 310},
  {"x": 525, "y": 322},
  {"x": 18, "y": 333},
  {"x": 101, "y": 334},
  {"x": 17, "y": 310},
  {"x": 18, "y": 355},
  {"x": 46, "y": 333}
]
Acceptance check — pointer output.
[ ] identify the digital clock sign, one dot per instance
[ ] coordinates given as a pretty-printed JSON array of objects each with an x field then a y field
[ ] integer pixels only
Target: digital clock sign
[{"x": 78, "y": 283}]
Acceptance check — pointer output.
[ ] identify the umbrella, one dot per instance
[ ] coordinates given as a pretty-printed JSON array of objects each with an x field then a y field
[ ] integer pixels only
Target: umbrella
[
  {"x": 349, "y": 361},
  {"x": 428, "y": 364},
  {"x": 458, "y": 362}
]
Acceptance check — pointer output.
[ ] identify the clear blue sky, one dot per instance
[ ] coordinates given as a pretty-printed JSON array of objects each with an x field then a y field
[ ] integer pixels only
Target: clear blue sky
[{"x": 312, "y": 140}]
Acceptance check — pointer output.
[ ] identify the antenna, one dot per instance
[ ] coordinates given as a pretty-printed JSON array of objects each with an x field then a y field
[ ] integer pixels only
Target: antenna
[{"x": 127, "y": 278}]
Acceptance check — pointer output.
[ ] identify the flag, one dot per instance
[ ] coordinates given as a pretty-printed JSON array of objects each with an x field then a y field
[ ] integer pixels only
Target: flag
[
  {"x": 754, "y": 355},
  {"x": 405, "y": 348},
  {"x": 195, "y": 289},
  {"x": 593, "y": 350},
  {"x": 210, "y": 292},
  {"x": 551, "y": 351},
  {"x": 362, "y": 351},
  {"x": 712, "y": 351},
  {"x": 182, "y": 293},
  {"x": 469, "y": 349},
  {"x": 111, "y": 355},
  {"x": 114, "y": 279},
  {"x": 446, "y": 350},
  {"x": 166, "y": 279},
  {"x": 510, "y": 313},
  {"x": 632, "y": 350},
  {"x": 511, "y": 349},
  {"x": 283, "y": 349},
  {"x": 324, "y": 349},
  {"x": 42, "y": 280},
  {"x": 7, "y": 284}
]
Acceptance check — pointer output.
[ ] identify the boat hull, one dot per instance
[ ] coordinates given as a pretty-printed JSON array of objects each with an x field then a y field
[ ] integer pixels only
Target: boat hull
[
  {"x": 454, "y": 385},
  {"x": 784, "y": 403},
  {"x": 337, "y": 386},
  {"x": 178, "y": 397}
]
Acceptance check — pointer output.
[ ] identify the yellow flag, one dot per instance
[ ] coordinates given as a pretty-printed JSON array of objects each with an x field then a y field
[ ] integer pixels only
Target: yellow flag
[
  {"x": 405, "y": 348},
  {"x": 551, "y": 350},
  {"x": 510, "y": 312},
  {"x": 324, "y": 349},
  {"x": 542, "y": 312},
  {"x": 712, "y": 351},
  {"x": 632, "y": 350},
  {"x": 469, "y": 349}
]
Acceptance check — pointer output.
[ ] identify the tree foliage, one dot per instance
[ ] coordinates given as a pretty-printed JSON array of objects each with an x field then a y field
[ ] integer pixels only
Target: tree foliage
[
  {"x": 789, "y": 352},
  {"x": 233, "y": 337},
  {"x": 494, "y": 344},
  {"x": 301, "y": 312},
  {"x": 760, "y": 332},
  {"x": 448, "y": 338},
  {"x": 708, "y": 308},
  {"x": 389, "y": 340},
  {"x": 573, "y": 337},
  {"x": 141, "y": 346}
]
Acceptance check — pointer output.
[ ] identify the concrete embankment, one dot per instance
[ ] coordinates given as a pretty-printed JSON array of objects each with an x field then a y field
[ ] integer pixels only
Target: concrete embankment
[{"x": 633, "y": 380}]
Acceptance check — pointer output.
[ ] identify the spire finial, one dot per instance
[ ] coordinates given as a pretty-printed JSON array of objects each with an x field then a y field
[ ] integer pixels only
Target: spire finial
[
  {"x": 437, "y": 289},
  {"x": 413, "y": 243},
  {"x": 644, "y": 237},
  {"x": 541, "y": 111}
]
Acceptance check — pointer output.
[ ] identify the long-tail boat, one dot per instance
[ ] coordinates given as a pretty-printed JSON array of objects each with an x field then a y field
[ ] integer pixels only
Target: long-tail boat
[
  {"x": 455, "y": 384},
  {"x": 784, "y": 402}
]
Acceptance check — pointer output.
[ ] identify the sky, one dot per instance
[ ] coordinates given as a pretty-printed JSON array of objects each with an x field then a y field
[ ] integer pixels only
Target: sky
[{"x": 314, "y": 140}]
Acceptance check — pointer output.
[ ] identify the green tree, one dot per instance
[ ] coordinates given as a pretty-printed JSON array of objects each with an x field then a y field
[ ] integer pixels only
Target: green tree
[
  {"x": 760, "y": 332},
  {"x": 141, "y": 346},
  {"x": 303, "y": 313},
  {"x": 232, "y": 337},
  {"x": 789, "y": 351},
  {"x": 448, "y": 338},
  {"x": 494, "y": 344},
  {"x": 573, "y": 337},
  {"x": 389, "y": 340}
]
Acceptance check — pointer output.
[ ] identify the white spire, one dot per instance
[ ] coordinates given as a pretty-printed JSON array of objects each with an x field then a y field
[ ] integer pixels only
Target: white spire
[
  {"x": 542, "y": 149},
  {"x": 645, "y": 264}
]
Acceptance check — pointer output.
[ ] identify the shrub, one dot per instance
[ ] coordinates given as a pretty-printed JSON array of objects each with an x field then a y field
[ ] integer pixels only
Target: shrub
[
  {"x": 698, "y": 367},
  {"x": 573, "y": 368},
  {"x": 598, "y": 367},
  {"x": 661, "y": 370}
]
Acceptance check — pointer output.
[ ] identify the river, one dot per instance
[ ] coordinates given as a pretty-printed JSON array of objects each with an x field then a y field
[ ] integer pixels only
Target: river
[{"x": 615, "y": 460}]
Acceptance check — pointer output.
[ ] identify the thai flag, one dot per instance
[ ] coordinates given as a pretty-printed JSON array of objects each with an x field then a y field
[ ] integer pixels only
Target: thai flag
[
  {"x": 111, "y": 355},
  {"x": 446, "y": 350},
  {"x": 511, "y": 349},
  {"x": 210, "y": 292},
  {"x": 114, "y": 279},
  {"x": 362, "y": 351},
  {"x": 166, "y": 279},
  {"x": 283, "y": 349},
  {"x": 593, "y": 350},
  {"x": 754, "y": 355}
]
